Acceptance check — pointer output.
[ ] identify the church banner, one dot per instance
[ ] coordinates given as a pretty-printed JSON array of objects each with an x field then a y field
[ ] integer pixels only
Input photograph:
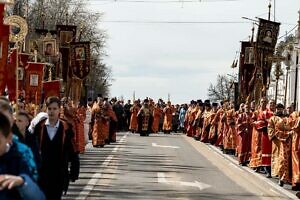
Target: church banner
[
  {"x": 51, "y": 88},
  {"x": 246, "y": 68},
  {"x": 66, "y": 35},
  {"x": 80, "y": 59},
  {"x": 34, "y": 78},
  {"x": 267, "y": 34}
]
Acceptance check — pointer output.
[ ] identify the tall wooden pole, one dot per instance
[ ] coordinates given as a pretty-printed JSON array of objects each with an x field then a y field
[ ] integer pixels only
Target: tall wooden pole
[
  {"x": 269, "y": 16},
  {"x": 274, "y": 5},
  {"x": 17, "y": 67}
]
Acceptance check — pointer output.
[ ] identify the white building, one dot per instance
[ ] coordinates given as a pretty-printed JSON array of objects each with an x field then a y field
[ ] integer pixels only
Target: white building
[
  {"x": 280, "y": 90},
  {"x": 293, "y": 86}
]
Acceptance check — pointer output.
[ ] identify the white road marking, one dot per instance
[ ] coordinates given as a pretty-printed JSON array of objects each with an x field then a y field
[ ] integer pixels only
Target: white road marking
[
  {"x": 162, "y": 146},
  {"x": 162, "y": 179},
  {"x": 97, "y": 175}
]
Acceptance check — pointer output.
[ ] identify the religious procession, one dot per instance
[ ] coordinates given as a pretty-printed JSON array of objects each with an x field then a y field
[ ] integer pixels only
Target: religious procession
[{"x": 65, "y": 135}]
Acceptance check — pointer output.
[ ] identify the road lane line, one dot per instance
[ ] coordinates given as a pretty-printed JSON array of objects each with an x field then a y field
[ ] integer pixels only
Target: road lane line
[
  {"x": 97, "y": 175},
  {"x": 164, "y": 146}
]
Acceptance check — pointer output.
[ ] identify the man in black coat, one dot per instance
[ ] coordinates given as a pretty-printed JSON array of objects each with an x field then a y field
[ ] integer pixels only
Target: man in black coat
[{"x": 55, "y": 140}]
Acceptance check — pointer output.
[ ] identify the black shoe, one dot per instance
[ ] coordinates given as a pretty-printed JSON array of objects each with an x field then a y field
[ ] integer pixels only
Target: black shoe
[
  {"x": 298, "y": 195},
  {"x": 280, "y": 183}
]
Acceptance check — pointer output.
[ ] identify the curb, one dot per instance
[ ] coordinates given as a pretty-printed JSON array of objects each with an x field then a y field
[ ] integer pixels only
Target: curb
[{"x": 248, "y": 170}]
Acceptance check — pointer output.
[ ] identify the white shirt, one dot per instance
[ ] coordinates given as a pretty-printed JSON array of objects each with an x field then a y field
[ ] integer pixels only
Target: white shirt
[{"x": 51, "y": 130}]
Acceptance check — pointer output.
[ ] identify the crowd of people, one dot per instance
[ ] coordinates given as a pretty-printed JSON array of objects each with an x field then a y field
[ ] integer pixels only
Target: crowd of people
[
  {"x": 40, "y": 146},
  {"x": 265, "y": 137}
]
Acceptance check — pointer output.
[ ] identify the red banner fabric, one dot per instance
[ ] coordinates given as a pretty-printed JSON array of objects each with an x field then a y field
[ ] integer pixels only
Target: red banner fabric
[
  {"x": 4, "y": 37},
  {"x": 34, "y": 78},
  {"x": 51, "y": 88},
  {"x": 11, "y": 75}
]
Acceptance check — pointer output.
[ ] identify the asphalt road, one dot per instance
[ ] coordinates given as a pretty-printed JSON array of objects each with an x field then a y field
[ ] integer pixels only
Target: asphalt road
[{"x": 166, "y": 167}]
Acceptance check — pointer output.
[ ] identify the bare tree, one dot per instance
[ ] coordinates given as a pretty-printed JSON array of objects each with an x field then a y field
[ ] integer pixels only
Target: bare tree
[
  {"x": 222, "y": 89},
  {"x": 49, "y": 13}
]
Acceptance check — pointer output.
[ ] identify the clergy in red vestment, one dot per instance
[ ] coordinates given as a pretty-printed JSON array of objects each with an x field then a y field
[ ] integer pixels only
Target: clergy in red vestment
[
  {"x": 221, "y": 122},
  {"x": 279, "y": 128},
  {"x": 206, "y": 122},
  {"x": 198, "y": 122},
  {"x": 296, "y": 152},
  {"x": 157, "y": 113},
  {"x": 261, "y": 145},
  {"x": 244, "y": 132},
  {"x": 133, "y": 120},
  {"x": 168, "y": 114},
  {"x": 213, "y": 132},
  {"x": 230, "y": 135}
]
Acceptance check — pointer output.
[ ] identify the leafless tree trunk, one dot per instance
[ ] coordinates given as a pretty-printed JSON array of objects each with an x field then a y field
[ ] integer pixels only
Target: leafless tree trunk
[{"x": 221, "y": 90}]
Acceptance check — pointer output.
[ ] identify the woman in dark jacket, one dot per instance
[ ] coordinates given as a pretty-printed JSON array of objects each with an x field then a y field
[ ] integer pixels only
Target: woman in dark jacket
[{"x": 17, "y": 167}]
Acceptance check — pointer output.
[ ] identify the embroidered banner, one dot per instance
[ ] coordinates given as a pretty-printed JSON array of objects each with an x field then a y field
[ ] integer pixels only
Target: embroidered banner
[
  {"x": 34, "y": 78},
  {"x": 80, "y": 59},
  {"x": 246, "y": 68},
  {"x": 65, "y": 35},
  {"x": 267, "y": 34},
  {"x": 51, "y": 88}
]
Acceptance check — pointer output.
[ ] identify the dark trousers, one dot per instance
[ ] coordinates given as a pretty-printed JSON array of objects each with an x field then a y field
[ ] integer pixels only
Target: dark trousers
[{"x": 52, "y": 187}]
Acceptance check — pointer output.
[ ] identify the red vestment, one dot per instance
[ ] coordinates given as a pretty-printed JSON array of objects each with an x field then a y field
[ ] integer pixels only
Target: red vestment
[
  {"x": 157, "y": 112},
  {"x": 244, "y": 132},
  {"x": 133, "y": 120},
  {"x": 230, "y": 135}
]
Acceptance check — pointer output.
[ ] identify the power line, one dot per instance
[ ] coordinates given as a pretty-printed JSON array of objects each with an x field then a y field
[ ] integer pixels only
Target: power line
[
  {"x": 288, "y": 32},
  {"x": 97, "y": 2},
  {"x": 175, "y": 22}
]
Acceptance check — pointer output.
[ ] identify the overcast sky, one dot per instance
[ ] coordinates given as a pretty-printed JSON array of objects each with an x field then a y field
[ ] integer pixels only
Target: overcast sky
[{"x": 154, "y": 59}]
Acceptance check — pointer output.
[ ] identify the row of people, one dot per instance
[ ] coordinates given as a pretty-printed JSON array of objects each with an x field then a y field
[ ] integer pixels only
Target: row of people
[
  {"x": 265, "y": 138},
  {"x": 162, "y": 117}
]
